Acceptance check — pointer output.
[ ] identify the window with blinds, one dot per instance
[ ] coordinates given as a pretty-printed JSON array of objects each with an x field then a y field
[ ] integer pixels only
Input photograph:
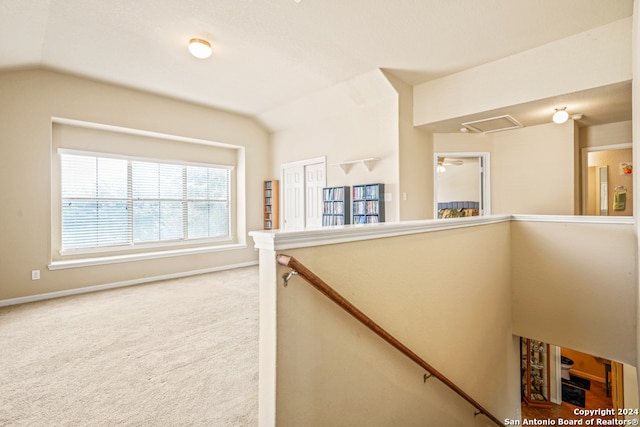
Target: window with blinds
[{"x": 118, "y": 201}]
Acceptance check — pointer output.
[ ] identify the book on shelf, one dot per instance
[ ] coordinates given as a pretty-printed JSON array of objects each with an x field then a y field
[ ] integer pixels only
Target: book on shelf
[
  {"x": 333, "y": 193},
  {"x": 367, "y": 191},
  {"x": 358, "y": 193},
  {"x": 328, "y": 220},
  {"x": 359, "y": 219},
  {"x": 372, "y": 207},
  {"x": 368, "y": 207},
  {"x": 371, "y": 192}
]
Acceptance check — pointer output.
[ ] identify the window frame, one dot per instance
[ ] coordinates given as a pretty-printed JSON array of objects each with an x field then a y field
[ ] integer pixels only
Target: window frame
[
  {"x": 91, "y": 136},
  {"x": 146, "y": 247}
]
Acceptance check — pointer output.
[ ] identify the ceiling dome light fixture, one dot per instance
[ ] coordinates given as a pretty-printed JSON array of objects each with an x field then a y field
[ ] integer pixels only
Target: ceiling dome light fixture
[
  {"x": 200, "y": 48},
  {"x": 561, "y": 115}
]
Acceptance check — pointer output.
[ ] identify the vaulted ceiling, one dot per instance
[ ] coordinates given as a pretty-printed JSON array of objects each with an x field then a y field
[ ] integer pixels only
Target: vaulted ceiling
[{"x": 268, "y": 53}]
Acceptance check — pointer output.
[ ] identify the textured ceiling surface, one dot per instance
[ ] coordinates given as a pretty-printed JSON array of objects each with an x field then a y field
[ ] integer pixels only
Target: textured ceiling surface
[{"x": 269, "y": 53}]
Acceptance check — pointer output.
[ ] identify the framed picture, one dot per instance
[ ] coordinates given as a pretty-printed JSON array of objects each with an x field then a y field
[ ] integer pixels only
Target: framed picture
[{"x": 626, "y": 168}]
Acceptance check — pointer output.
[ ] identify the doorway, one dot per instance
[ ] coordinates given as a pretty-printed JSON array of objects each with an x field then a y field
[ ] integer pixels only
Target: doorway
[
  {"x": 461, "y": 185},
  {"x": 302, "y": 184},
  {"x": 607, "y": 180}
]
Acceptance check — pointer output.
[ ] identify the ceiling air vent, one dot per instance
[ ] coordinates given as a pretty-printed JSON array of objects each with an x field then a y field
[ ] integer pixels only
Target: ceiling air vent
[{"x": 494, "y": 124}]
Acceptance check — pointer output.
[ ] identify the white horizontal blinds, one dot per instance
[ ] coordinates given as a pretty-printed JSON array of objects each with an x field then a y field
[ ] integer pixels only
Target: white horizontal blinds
[
  {"x": 208, "y": 202},
  {"x": 94, "y": 202},
  {"x": 119, "y": 201},
  {"x": 158, "y": 195}
]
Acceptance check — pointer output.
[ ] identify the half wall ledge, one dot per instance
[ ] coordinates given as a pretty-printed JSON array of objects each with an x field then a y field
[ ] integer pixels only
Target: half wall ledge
[{"x": 280, "y": 240}]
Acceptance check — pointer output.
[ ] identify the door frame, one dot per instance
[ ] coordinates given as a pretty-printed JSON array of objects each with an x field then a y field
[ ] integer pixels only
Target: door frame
[
  {"x": 485, "y": 178},
  {"x": 303, "y": 163},
  {"x": 584, "y": 166}
]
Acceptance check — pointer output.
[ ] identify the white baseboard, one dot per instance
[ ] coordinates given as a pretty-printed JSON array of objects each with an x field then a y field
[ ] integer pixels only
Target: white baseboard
[{"x": 95, "y": 288}]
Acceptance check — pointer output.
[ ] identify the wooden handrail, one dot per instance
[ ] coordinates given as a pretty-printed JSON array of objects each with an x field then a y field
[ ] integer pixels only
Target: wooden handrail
[{"x": 334, "y": 296}]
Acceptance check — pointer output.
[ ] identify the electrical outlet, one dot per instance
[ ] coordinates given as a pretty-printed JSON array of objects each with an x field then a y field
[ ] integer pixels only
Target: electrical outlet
[{"x": 35, "y": 275}]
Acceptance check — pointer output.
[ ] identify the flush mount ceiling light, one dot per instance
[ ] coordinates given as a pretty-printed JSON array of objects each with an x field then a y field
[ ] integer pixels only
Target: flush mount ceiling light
[
  {"x": 200, "y": 48},
  {"x": 561, "y": 115}
]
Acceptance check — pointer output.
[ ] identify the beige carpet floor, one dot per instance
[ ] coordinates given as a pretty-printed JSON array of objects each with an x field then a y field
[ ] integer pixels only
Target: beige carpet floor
[{"x": 180, "y": 352}]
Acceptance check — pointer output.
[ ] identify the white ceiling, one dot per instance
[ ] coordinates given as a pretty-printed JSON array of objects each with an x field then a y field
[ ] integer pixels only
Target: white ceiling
[{"x": 269, "y": 53}]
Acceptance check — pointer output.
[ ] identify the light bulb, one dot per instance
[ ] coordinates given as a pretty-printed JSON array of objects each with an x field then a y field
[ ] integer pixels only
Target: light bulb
[
  {"x": 200, "y": 48},
  {"x": 560, "y": 116}
]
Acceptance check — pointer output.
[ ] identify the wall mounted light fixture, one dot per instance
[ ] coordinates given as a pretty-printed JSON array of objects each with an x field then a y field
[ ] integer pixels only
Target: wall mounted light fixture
[
  {"x": 200, "y": 48},
  {"x": 561, "y": 115}
]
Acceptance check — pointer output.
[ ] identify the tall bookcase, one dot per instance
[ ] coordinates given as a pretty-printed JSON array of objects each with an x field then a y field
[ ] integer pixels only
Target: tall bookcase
[
  {"x": 271, "y": 190},
  {"x": 335, "y": 206},
  {"x": 368, "y": 203}
]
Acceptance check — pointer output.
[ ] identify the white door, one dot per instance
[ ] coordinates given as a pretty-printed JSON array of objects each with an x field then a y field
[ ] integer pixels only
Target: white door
[
  {"x": 293, "y": 197},
  {"x": 302, "y": 193},
  {"x": 315, "y": 182}
]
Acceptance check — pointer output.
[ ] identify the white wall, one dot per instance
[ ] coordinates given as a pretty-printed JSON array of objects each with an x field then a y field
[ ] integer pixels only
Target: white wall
[
  {"x": 607, "y": 134},
  {"x": 426, "y": 289},
  {"x": 29, "y": 101},
  {"x": 574, "y": 285},
  {"x": 376, "y": 125},
  {"x": 459, "y": 183},
  {"x": 355, "y": 120},
  {"x": 532, "y": 169},
  {"x": 415, "y": 157},
  {"x": 458, "y": 298},
  {"x": 595, "y": 58}
]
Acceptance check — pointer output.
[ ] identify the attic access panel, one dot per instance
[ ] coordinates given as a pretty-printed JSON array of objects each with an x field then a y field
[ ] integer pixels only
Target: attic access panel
[{"x": 493, "y": 124}]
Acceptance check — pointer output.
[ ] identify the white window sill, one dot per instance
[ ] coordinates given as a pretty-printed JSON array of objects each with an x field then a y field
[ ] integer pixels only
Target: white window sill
[{"x": 113, "y": 259}]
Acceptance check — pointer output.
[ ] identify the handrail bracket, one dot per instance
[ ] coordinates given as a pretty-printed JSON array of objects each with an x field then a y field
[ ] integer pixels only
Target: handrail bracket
[{"x": 287, "y": 276}]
